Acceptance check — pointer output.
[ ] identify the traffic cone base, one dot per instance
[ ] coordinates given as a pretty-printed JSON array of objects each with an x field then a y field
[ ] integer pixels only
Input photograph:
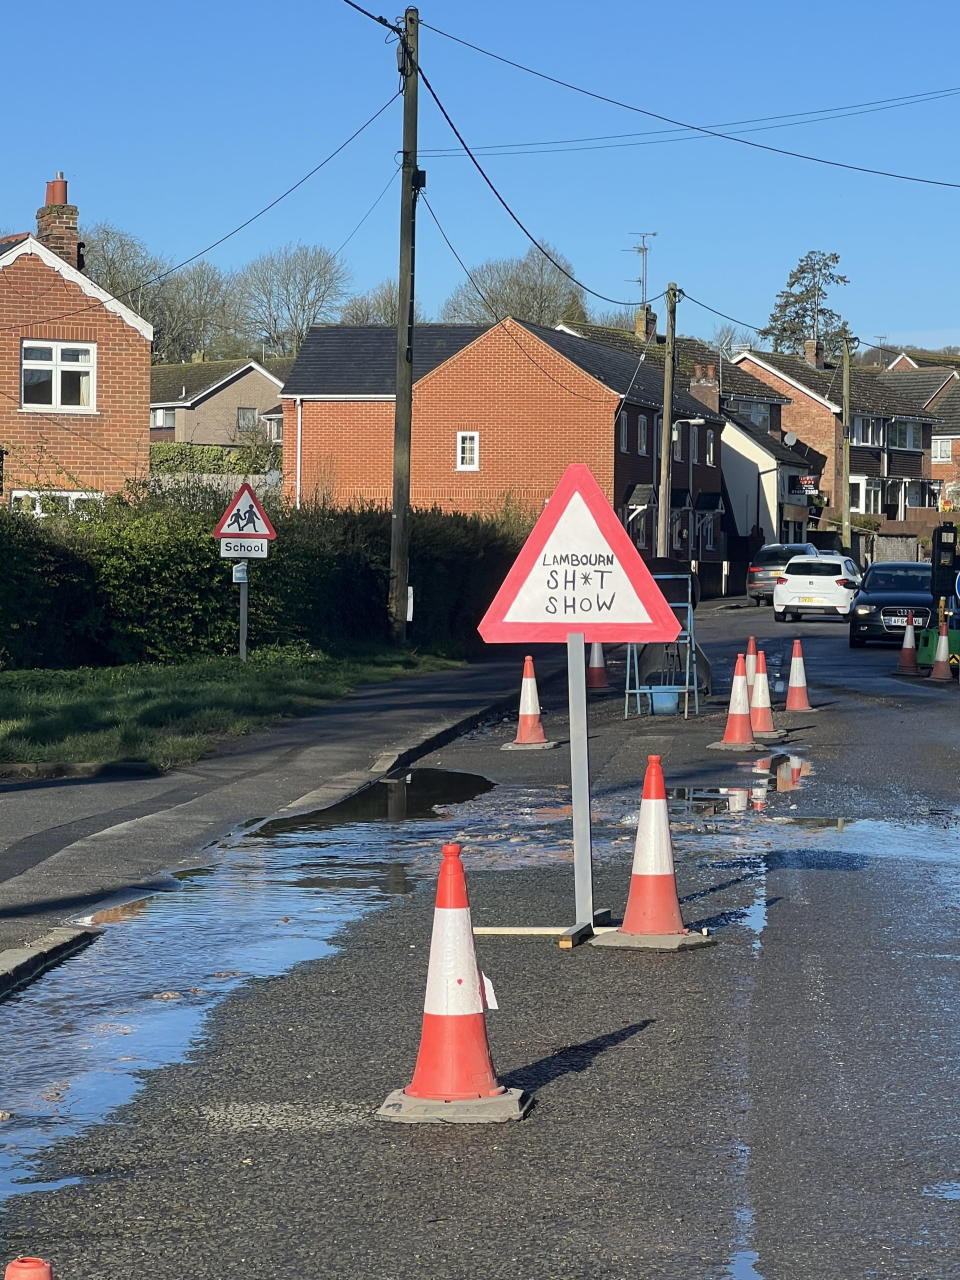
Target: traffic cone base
[
  {"x": 454, "y": 1081},
  {"x": 651, "y": 941},
  {"x": 738, "y": 734},
  {"x": 530, "y": 735}
]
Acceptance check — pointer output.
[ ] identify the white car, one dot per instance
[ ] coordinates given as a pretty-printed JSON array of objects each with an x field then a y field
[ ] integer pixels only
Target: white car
[{"x": 824, "y": 584}]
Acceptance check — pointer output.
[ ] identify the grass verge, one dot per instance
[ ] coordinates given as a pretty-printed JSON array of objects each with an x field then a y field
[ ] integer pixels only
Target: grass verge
[{"x": 172, "y": 715}]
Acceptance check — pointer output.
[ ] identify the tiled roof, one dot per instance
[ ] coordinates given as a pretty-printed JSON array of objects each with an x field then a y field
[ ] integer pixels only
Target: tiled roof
[
  {"x": 689, "y": 352},
  {"x": 354, "y": 360},
  {"x": 918, "y": 385},
  {"x": 176, "y": 383},
  {"x": 11, "y": 241},
  {"x": 776, "y": 448},
  {"x": 867, "y": 393},
  {"x": 927, "y": 359},
  {"x": 361, "y": 360},
  {"x": 948, "y": 412}
]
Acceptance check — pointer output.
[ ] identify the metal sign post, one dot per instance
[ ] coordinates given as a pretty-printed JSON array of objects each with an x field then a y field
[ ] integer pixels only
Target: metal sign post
[
  {"x": 245, "y": 533},
  {"x": 580, "y": 780},
  {"x": 240, "y": 576}
]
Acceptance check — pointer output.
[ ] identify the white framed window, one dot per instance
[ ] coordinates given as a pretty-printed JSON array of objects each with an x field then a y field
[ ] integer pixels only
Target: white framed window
[
  {"x": 163, "y": 418},
  {"x": 872, "y": 497},
  {"x": 940, "y": 451},
  {"x": 867, "y": 431},
  {"x": 623, "y": 426},
  {"x": 468, "y": 450},
  {"x": 904, "y": 435},
  {"x": 246, "y": 419},
  {"x": 58, "y": 375},
  {"x": 694, "y": 443},
  {"x": 754, "y": 411},
  {"x": 53, "y": 502},
  {"x": 276, "y": 431},
  {"x": 642, "y": 434},
  {"x": 710, "y": 456}
]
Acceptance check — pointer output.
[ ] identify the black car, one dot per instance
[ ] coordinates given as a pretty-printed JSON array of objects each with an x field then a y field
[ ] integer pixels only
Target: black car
[
  {"x": 889, "y": 590},
  {"x": 768, "y": 563}
]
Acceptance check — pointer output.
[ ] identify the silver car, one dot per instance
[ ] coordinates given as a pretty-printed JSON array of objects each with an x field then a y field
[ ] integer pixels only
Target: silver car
[{"x": 767, "y": 564}]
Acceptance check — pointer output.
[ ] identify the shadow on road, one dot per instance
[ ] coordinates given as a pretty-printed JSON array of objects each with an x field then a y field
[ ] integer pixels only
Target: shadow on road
[{"x": 572, "y": 1057}]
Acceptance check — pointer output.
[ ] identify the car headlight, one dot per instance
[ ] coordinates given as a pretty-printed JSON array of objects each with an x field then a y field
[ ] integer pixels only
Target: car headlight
[{"x": 863, "y": 609}]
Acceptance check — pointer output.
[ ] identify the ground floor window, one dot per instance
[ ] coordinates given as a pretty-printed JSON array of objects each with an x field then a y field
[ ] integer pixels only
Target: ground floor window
[{"x": 866, "y": 496}]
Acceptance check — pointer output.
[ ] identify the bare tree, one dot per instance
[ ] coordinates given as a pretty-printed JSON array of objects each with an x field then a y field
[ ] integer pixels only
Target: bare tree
[
  {"x": 281, "y": 294},
  {"x": 616, "y": 318},
  {"x": 380, "y": 305},
  {"x": 528, "y": 288},
  {"x": 730, "y": 338},
  {"x": 124, "y": 266}
]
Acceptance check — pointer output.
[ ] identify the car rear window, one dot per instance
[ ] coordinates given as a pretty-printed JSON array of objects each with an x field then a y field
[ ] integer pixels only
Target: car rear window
[
  {"x": 892, "y": 578},
  {"x": 815, "y": 569},
  {"x": 777, "y": 555}
]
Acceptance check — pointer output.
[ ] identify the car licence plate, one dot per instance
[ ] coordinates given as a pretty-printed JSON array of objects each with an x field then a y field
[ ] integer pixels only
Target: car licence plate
[{"x": 810, "y": 600}]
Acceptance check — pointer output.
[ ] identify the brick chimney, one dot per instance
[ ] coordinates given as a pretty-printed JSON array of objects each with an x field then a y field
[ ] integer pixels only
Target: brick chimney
[
  {"x": 645, "y": 323},
  {"x": 57, "y": 222},
  {"x": 813, "y": 352},
  {"x": 705, "y": 386}
]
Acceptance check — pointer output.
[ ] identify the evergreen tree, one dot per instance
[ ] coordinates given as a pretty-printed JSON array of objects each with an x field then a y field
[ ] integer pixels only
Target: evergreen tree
[{"x": 801, "y": 311}]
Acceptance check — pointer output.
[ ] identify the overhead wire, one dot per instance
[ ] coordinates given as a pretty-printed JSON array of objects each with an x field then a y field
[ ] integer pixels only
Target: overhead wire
[
  {"x": 168, "y": 271},
  {"x": 682, "y": 124}
]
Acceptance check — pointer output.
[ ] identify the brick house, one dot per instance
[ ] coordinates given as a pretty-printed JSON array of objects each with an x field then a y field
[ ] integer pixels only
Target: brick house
[
  {"x": 498, "y": 413},
  {"x": 935, "y": 389},
  {"x": 890, "y": 443},
  {"x": 766, "y": 482},
  {"x": 217, "y": 401},
  {"x": 74, "y": 369}
]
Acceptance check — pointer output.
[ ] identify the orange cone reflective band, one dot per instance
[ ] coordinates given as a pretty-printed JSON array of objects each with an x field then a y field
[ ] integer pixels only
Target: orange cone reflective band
[
  {"x": 941, "y": 659},
  {"x": 454, "y": 1059},
  {"x": 751, "y": 664},
  {"x": 761, "y": 715},
  {"x": 739, "y": 731},
  {"x": 653, "y": 905},
  {"x": 596, "y": 668},
  {"x": 529, "y": 726},
  {"x": 28, "y": 1269},
  {"x": 907, "y": 661},
  {"x": 797, "y": 699}
]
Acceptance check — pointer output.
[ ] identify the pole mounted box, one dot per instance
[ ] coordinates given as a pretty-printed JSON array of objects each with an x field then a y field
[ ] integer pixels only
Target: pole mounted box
[{"x": 944, "y": 561}]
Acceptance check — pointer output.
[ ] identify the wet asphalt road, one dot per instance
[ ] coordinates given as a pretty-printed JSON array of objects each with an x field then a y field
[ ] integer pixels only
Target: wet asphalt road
[{"x": 782, "y": 1105}]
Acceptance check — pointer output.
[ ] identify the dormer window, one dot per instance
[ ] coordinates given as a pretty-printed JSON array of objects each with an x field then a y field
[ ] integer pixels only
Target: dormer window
[{"x": 58, "y": 376}]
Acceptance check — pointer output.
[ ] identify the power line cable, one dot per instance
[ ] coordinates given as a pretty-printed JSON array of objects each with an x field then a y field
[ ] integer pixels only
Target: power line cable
[
  {"x": 390, "y": 180},
  {"x": 167, "y": 271},
  {"x": 711, "y": 133},
  {"x": 654, "y": 138}
]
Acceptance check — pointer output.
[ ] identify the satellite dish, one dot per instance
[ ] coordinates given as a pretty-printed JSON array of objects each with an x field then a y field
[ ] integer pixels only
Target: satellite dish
[{"x": 790, "y": 439}]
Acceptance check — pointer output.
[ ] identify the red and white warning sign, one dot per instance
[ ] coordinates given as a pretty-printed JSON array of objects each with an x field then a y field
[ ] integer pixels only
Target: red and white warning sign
[
  {"x": 579, "y": 573},
  {"x": 245, "y": 518}
]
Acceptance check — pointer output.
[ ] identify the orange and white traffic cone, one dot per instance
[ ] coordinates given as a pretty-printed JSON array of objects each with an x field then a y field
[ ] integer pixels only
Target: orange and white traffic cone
[
  {"x": 652, "y": 918},
  {"x": 907, "y": 661},
  {"x": 761, "y": 714},
  {"x": 454, "y": 1081},
  {"x": 28, "y": 1269},
  {"x": 941, "y": 658},
  {"x": 597, "y": 681},
  {"x": 797, "y": 699},
  {"x": 758, "y": 798},
  {"x": 530, "y": 735},
  {"x": 796, "y": 770},
  {"x": 738, "y": 733},
  {"x": 751, "y": 664}
]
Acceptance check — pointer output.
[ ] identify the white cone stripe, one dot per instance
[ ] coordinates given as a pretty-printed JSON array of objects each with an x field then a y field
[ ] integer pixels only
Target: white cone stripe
[
  {"x": 652, "y": 854},
  {"x": 943, "y": 649},
  {"x": 797, "y": 673},
  {"x": 529, "y": 702},
  {"x": 761, "y": 694},
  {"x": 453, "y": 979},
  {"x": 739, "y": 701},
  {"x": 750, "y": 662}
]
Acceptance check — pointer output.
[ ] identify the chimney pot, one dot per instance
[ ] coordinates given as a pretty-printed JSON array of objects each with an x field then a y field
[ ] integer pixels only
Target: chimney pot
[
  {"x": 711, "y": 372},
  {"x": 57, "y": 190},
  {"x": 813, "y": 352},
  {"x": 698, "y": 371},
  {"x": 57, "y": 222}
]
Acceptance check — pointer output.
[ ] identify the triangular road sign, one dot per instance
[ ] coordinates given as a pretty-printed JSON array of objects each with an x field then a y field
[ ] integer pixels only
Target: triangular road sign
[
  {"x": 579, "y": 573},
  {"x": 245, "y": 516}
]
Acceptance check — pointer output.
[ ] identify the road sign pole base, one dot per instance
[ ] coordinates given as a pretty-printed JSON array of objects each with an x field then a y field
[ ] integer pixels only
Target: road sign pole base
[
  {"x": 511, "y": 1104},
  {"x": 651, "y": 941}
]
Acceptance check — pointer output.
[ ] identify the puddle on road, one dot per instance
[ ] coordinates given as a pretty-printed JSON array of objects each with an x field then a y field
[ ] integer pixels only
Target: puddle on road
[{"x": 943, "y": 1190}]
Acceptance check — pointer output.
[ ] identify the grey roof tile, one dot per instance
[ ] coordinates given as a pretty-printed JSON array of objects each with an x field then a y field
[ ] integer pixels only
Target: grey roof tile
[
  {"x": 361, "y": 360},
  {"x": 867, "y": 393},
  {"x": 173, "y": 383},
  {"x": 919, "y": 385}
]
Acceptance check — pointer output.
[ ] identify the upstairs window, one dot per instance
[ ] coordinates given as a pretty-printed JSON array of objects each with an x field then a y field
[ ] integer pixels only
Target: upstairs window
[
  {"x": 468, "y": 451},
  {"x": 867, "y": 431},
  {"x": 694, "y": 443},
  {"x": 677, "y": 444},
  {"x": 941, "y": 449},
  {"x": 641, "y": 434},
  {"x": 903, "y": 435},
  {"x": 623, "y": 425},
  {"x": 58, "y": 375},
  {"x": 246, "y": 419},
  {"x": 710, "y": 454}
]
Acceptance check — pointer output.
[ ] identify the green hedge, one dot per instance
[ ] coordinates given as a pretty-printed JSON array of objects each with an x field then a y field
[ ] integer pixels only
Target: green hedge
[
  {"x": 142, "y": 581},
  {"x": 169, "y": 457}
]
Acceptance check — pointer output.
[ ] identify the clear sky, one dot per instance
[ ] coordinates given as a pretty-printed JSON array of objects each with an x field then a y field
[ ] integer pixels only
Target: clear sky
[{"x": 177, "y": 121}]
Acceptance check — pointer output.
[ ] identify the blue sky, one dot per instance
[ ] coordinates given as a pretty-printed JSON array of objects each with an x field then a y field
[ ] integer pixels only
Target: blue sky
[{"x": 178, "y": 123}]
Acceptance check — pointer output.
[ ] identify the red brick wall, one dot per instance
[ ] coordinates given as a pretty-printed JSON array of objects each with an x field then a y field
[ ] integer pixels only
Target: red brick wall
[
  {"x": 949, "y": 473},
  {"x": 535, "y": 413},
  {"x": 814, "y": 425},
  {"x": 72, "y": 451}
]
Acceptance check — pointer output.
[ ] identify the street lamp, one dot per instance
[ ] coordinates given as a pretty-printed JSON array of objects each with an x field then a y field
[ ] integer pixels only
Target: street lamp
[{"x": 666, "y": 481}]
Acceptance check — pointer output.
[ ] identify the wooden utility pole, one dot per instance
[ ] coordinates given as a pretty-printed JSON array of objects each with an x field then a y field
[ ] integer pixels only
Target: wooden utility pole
[
  {"x": 666, "y": 430},
  {"x": 845, "y": 455},
  {"x": 411, "y": 181}
]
